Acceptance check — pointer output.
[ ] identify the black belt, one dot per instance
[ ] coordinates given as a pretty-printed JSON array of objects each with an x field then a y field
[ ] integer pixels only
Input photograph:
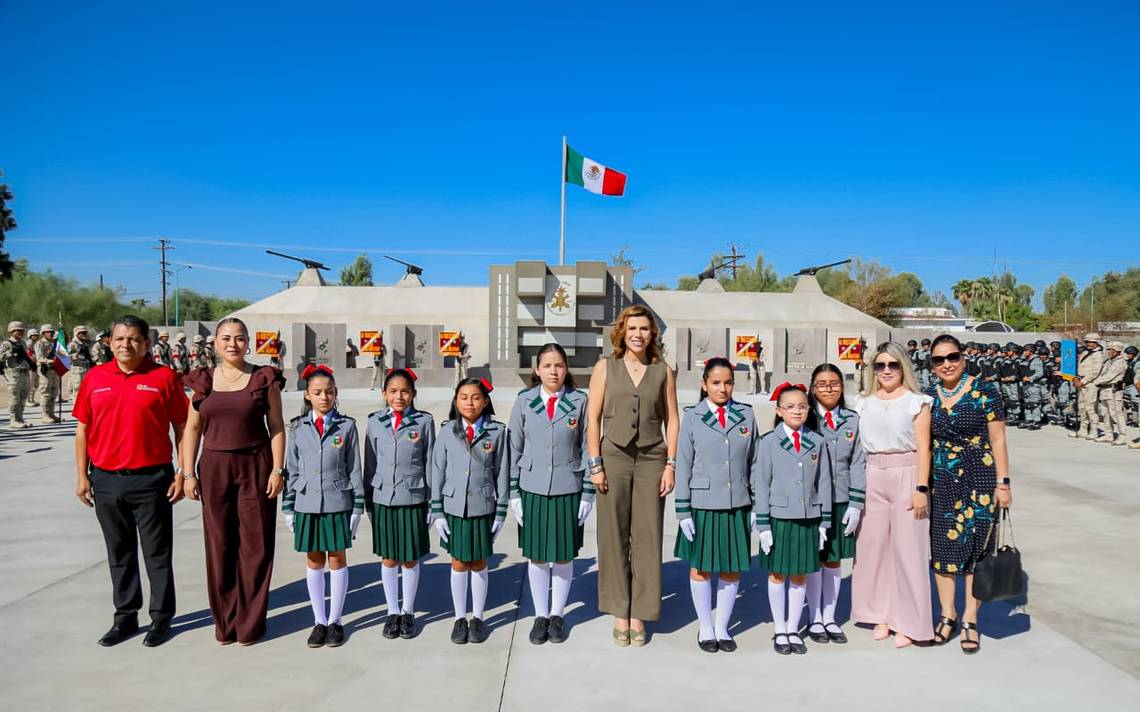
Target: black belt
[{"x": 166, "y": 469}]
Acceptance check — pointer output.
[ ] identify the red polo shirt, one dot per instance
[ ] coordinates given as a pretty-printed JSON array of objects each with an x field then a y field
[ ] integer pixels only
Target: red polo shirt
[{"x": 128, "y": 415}]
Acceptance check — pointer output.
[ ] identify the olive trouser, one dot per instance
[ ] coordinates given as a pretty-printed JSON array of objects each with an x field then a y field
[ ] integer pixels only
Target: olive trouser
[
  {"x": 74, "y": 378},
  {"x": 1086, "y": 408},
  {"x": 630, "y": 523},
  {"x": 18, "y": 389},
  {"x": 49, "y": 392}
]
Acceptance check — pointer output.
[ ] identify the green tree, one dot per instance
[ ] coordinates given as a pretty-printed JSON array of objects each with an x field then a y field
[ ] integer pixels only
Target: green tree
[
  {"x": 7, "y": 223},
  {"x": 1117, "y": 297},
  {"x": 357, "y": 274},
  {"x": 1060, "y": 294}
]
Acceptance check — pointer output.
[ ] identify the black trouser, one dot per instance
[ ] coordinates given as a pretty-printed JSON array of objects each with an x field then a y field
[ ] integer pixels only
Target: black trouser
[{"x": 133, "y": 509}]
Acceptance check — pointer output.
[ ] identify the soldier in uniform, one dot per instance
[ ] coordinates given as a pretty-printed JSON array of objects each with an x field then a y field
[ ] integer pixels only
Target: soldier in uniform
[
  {"x": 79, "y": 350},
  {"x": 49, "y": 379},
  {"x": 103, "y": 353},
  {"x": 1089, "y": 366},
  {"x": 756, "y": 370},
  {"x": 987, "y": 363},
  {"x": 17, "y": 368},
  {"x": 461, "y": 360},
  {"x": 198, "y": 356},
  {"x": 923, "y": 370},
  {"x": 34, "y": 376},
  {"x": 1066, "y": 394},
  {"x": 1033, "y": 388},
  {"x": 1007, "y": 373},
  {"x": 378, "y": 369},
  {"x": 211, "y": 354},
  {"x": 163, "y": 353},
  {"x": 1130, "y": 392},
  {"x": 180, "y": 354},
  {"x": 1110, "y": 396}
]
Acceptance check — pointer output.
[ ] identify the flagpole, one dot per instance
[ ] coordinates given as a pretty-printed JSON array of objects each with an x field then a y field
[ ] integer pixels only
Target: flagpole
[{"x": 562, "y": 177}]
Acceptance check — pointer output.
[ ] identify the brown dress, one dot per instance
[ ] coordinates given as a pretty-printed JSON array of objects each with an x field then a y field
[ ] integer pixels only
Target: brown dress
[
  {"x": 239, "y": 520},
  {"x": 630, "y": 514}
]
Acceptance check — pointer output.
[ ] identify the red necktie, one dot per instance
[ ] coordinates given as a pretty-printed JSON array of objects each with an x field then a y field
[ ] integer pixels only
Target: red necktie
[
  {"x": 830, "y": 421},
  {"x": 396, "y": 418},
  {"x": 720, "y": 416},
  {"x": 320, "y": 426},
  {"x": 550, "y": 407},
  {"x": 796, "y": 438},
  {"x": 470, "y": 434}
]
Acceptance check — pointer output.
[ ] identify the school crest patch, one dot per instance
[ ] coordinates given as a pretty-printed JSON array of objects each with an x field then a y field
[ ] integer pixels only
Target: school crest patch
[
  {"x": 337, "y": 441},
  {"x": 814, "y": 457},
  {"x": 850, "y": 435},
  {"x": 745, "y": 430},
  {"x": 488, "y": 446},
  {"x": 571, "y": 422},
  {"x": 414, "y": 435}
]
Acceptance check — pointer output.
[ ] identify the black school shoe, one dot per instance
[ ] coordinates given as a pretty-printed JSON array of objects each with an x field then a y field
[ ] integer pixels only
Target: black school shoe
[
  {"x": 835, "y": 633},
  {"x": 318, "y": 637},
  {"x": 556, "y": 631},
  {"x": 818, "y": 633},
  {"x": 477, "y": 631},
  {"x": 459, "y": 632},
  {"x": 781, "y": 648},
  {"x": 540, "y": 631},
  {"x": 335, "y": 637},
  {"x": 709, "y": 646},
  {"x": 796, "y": 643},
  {"x": 728, "y": 645},
  {"x": 407, "y": 626},
  {"x": 391, "y": 627},
  {"x": 158, "y": 634},
  {"x": 118, "y": 633}
]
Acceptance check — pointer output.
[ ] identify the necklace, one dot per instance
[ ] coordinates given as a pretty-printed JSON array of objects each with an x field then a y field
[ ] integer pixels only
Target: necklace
[
  {"x": 241, "y": 372},
  {"x": 947, "y": 395}
]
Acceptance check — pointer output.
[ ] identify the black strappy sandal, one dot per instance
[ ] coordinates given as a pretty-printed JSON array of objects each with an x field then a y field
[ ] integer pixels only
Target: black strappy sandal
[
  {"x": 974, "y": 645},
  {"x": 944, "y": 622}
]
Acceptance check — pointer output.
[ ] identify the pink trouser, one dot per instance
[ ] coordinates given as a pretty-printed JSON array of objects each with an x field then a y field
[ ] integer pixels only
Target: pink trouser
[{"x": 891, "y": 580}]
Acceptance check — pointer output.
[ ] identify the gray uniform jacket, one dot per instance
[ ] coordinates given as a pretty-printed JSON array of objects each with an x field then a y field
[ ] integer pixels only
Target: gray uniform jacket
[
  {"x": 547, "y": 454},
  {"x": 791, "y": 485},
  {"x": 1036, "y": 370},
  {"x": 322, "y": 474},
  {"x": 396, "y": 462},
  {"x": 848, "y": 460},
  {"x": 715, "y": 464},
  {"x": 470, "y": 480}
]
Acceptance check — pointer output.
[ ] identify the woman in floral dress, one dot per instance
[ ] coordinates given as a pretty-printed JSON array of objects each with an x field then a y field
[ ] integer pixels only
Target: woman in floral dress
[{"x": 969, "y": 478}]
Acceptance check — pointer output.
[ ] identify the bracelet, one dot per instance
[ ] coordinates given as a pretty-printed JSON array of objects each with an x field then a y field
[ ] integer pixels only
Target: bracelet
[
  {"x": 596, "y": 469},
  {"x": 671, "y": 462},
  {"x": 594, "y": 461},
  {"x": 190, "y": 475},
  {"x": 277, "y": 471}
]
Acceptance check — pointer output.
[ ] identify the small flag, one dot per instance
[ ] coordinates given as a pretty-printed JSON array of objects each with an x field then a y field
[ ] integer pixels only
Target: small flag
[
  {"x": 592, "y": 175},
  {"x": 61, "y": 364}
]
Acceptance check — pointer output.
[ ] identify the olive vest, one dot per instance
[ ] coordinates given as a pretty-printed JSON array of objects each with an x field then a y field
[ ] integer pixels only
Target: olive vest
[{"x": 633, "y": 415}]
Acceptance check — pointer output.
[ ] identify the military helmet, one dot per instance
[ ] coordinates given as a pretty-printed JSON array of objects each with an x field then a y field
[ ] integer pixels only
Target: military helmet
[
  {"x": 180, "y": 336},
  {"x": 103, "y": 334},
  {"x": 1054, "y": 344},
  {"x": 1115, "y": 345},
  {"x": 15, "y": 326},
  {"x": 79, "y": 329},
  {"x": 926, "y": 342},
  {"x": 164, "y": 333},
  {"x": 912, "y": 342},
  {"x": 995, "y": 346},
  {"x": 1131, "y": 350},
  {"x": 1092, "y": 336},
  {"x": 33, "y": 332},
  {"x": 47, "y": 329},
  {"x": 1042, "y": 350},
  {"x": 198, "y": 338},
  {"x": 1029, "y": 347}
]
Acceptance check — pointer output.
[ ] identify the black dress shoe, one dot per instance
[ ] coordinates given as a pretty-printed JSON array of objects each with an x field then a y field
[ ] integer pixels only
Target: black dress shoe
[
  {"x": 835, "y": 633},
  {"x": 318, "y": 636},
  {"x": 728, "y": 645},
  {"x": 407, "y": 626},
  {"x": 477, "y": 631},
  {"x": 796, "y": 643},
  {"x": 118, "y": 634},
  {"x": 335, "y": 638},
  {"x": 459, "y": 632},
  {"x": 391, "y": 627},
  {"x": 158, "y": 634},
  {"x": 540, "y": 631},
  {"x": 818, "y": 633},
  {"x": 709, "y": 646},
  {"x": 556, "y": 631},
  {"x": 781, "y": 648}
]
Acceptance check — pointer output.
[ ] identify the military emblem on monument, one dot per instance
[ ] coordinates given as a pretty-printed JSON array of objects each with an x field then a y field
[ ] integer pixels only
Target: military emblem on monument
[{"x": 560, "y": 304}]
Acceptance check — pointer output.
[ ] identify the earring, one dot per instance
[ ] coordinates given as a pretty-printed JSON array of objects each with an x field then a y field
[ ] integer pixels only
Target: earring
[{"x": 248, "y": 351}]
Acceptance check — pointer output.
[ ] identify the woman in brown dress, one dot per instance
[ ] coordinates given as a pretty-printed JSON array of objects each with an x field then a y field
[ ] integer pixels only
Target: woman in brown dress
[
  {"x": 633, "y": 397},
  {"x": 236, "y": 409}
]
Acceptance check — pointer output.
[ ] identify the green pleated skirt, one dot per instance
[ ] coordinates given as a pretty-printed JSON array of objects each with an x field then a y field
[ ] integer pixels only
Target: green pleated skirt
[
  {"x": 795, "y": 547},
  {"x": 322, "y": 532},
  {"x": 400, "y": 533},
  {"x": 550, "y": 530},
  {"x": 839, "y": 546},
  {"x": 721, "y": 542},
  {"x": 470, "y": 538}
]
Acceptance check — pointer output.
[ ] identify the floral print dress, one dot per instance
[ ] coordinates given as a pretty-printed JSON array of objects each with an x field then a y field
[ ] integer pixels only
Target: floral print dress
[{"x": 963, "y": 477}]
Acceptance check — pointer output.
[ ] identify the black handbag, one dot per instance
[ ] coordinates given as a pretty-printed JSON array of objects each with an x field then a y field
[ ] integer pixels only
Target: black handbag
[{"x": 998, "y": 575}]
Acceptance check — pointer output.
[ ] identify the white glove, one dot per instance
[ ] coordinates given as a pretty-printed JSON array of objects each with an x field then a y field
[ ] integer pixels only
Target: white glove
[
  {"x": 354, "y": 522},
  {"x": 516, "y": 507},
  {"x": 496, "y": 527},
  {"x": 752, "y": 523},
  {"x": 851, "y": 520},
  {"x": 442, "y": 528},
  {"x": 584, "y": 510},
  {"x": 822, "y": 535},
  {"x": 766, "y": 541},
  {"x": 688, "y": 528},
  {"x": 430, "y": 516},
  {"x": 289, "y": 521}
]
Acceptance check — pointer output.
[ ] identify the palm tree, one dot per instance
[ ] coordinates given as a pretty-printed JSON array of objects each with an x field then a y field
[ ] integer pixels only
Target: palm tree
[{"x": 963, "y": 292}]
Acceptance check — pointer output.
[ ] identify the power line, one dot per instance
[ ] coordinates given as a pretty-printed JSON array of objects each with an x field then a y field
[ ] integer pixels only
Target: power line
[{"x": 163, "y": 246}]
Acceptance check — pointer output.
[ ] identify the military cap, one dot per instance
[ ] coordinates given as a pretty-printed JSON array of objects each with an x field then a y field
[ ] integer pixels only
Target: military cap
[
  {"x": 198, "y": 338},
  {"x": 45, "y": 328},
  {"x": 1092, "y": 336},
  {"x": 15, "y": 326}
]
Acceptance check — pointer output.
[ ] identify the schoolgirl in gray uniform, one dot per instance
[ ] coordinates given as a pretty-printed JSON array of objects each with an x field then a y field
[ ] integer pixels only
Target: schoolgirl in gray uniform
[
  {"x": 717, "y": 451},
  {"x": 792, "y": 487},
  {"x": 324, "y": 498},
  {"x": 397, "y": 453},
  {"x": 840, "y": 428},
  {"x": 470, "y": 476},
  {"x": 551, "y": 494}
]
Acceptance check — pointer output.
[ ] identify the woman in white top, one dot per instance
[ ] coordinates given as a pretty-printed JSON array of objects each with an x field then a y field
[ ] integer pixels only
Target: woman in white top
[{"x": 890, "y": 585}]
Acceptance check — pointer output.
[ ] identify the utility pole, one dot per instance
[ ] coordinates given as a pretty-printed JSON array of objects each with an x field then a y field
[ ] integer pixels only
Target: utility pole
[
  {"x": 163, "y": 246},
  {"x": 732, "y": 259}
]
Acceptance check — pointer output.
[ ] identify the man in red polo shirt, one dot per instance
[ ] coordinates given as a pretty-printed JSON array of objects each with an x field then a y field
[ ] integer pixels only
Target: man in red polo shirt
[{"x": 123, "y": 455}]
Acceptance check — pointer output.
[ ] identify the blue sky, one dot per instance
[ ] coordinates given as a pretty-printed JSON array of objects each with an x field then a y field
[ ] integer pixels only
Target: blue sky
[{"x": 925, "y": 136}]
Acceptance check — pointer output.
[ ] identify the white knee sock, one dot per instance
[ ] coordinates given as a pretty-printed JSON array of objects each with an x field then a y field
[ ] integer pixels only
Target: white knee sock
[
  {"x": 560, "y": 587},
  {"x": 797, "y": 592},
  {"x": 315, "y": 580},
  {"x": 725, "y": 600},
  {"x": 338, "y": 590},
  {"x": 390, "y": 578},
  {"x": 832, "y": 579},
  {"x": 776, "y": 603},
  {"x": 702, "y": 603},
  {"x": 814, "y": 586},
  {"x": 539, "y": 576},
  {"x": 459, "y": 593},
  {"x": 410, "y": 583},
  {"x": 479, "y": 581}
]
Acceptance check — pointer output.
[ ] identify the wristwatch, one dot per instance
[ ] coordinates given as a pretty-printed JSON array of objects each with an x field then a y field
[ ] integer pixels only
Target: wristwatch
[
  {"x": 921, "y": 488},
  {"x": 277, "y": 471},
  {"x": 1004, "y": 481}
]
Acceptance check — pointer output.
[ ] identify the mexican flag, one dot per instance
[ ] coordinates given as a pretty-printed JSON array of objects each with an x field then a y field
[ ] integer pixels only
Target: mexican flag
[
  {"x": 61, "y": 364},
  {"x": 593, "y": 176}
]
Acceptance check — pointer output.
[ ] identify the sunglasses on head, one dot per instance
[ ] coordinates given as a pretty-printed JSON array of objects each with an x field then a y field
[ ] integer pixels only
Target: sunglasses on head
[
  {"x": 952, "y": 357},
  {"x": 887, "y": 366}
]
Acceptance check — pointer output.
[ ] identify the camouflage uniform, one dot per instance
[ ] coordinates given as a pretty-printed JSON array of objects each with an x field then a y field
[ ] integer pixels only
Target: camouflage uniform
[
  {"x": 103, "y": 353},
  {"x": 162, "y": 352},
  {"x": 1088, "y": 369},
  {"x": 180, "y": 354},
  {"x": 81, "y": 359},
  {"x": 34, "y": 373},
  {"x": 17, "y": 369},
  {"x": 1110, "y": 395},
  {"x": 49, "y": 379}
]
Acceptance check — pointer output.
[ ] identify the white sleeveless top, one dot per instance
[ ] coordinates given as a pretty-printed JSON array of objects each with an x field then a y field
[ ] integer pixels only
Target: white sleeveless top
[{"x": 888, "y": 425}]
